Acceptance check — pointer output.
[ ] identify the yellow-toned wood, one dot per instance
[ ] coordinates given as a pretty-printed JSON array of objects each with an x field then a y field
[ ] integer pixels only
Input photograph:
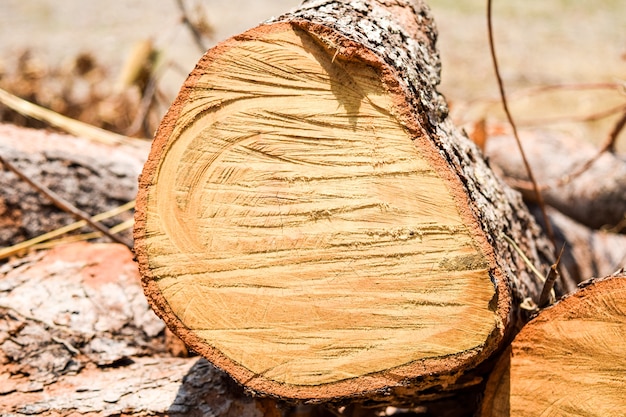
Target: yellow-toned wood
[
  {"x": 570, "y": 361},
  {"x": 293, "y": 225}
]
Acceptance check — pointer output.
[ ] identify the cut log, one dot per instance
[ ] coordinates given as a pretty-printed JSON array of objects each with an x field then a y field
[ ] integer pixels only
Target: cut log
[
  {"x": 311, "y": 222},
  {"x": 55, "y": 292},
  {"x": 569, "y": 360},
  {"x": 595, "y": 198}
]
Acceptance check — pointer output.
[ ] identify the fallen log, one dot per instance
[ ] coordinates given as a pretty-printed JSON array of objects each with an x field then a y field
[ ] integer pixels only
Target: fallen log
[
  {"x": 77, "y": 338},
  {"x": 94, "y": 177},
  {"x": 311, "y": 222},
  {"x": 595, "y": 197},
  {"x": 569, "y": 360}
]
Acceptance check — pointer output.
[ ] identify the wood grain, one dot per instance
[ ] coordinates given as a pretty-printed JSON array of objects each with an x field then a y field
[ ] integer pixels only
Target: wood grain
[
  {"x": 310, "y": 220},
  {"x": 569, "y": 361},
  {"x": 295, "y": 227}
]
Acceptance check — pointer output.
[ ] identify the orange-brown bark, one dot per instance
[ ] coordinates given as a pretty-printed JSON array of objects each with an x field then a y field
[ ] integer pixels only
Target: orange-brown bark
[{"x": 77, "y": 338}]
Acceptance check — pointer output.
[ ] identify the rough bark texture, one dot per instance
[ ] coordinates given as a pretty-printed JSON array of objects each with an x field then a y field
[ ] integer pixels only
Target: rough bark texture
[
  {"x": 77, "y": 338},
  {"x": 50, "y": 304},
  {"x": 397, "y": 39},
  {"x": 92, "y": 176},
  {"x": 595, "y": 198},
  {"x": 569, "y": 360}
]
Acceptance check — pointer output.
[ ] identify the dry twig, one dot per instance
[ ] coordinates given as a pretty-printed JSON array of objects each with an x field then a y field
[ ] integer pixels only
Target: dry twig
[
  {"x": 582, "y": 118},
  {"x": 608, "y": 146},
  {"x": 46, "y": 238},
  {"x": 64, "y": 123},
  {"x": 553, "y": 275},
  {"x": 540, "y": 202},
  {"x": 63, "y": 204},
  {"x": 195, "y": 33}
]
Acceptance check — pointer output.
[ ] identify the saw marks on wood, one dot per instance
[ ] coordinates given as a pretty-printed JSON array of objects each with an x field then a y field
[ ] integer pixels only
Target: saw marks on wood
[
  {"x": 294, "y": 226},
  {"x": 569, "y": 361}
]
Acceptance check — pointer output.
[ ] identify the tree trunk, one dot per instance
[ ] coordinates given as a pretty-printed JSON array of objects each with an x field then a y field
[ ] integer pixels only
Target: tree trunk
[
  {"x": 569, "y": 360},
  {"x": 311, "y": 222}
]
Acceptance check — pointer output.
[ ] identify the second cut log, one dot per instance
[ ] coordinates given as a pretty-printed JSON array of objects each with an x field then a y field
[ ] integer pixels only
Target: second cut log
[{"x": 569, "y": 360}]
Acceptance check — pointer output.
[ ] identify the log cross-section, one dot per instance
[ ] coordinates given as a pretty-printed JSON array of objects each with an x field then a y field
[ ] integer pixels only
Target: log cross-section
[
  {"x": 310, "y": 222},
  {"x": 569, "y": 360},
  {"x": 303, "y": 211}
]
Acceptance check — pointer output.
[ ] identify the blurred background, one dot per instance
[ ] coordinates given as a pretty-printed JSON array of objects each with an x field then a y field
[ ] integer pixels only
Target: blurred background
[{"x": 118, "y": 64}]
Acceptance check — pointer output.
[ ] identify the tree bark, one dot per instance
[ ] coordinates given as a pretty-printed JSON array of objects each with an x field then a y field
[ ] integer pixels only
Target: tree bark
[
  {"x": 311, "y": 221},
  {"x": 77, "y": 338},
  {"x": 569, "y": 360},
  {"x": 92, "y": 176}
]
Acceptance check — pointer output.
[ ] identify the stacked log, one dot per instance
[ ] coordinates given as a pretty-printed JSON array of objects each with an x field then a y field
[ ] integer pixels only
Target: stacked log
[
  {"x": 569, "y": 360},
  {"x": 312, "y": 224}
]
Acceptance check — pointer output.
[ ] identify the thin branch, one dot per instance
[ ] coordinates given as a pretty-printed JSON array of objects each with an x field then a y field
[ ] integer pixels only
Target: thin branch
[
  {"x": 195, "y": 33},
  {"x": 540, "y": 202},
  {"x": 611, "y": 140},
  {"x": 144, "y": 107},
  {"x": 530, "y": 91},
  {"x": 548, "y": 285},
  {"x": 34, "y": 242},
  {"x": 63, "y": 204},
  {"x": 86, "y": 236},
  {"x": 581, "y": 118},
  {"x": 608, "y": 146},
  {"x": 543, "y": 89}
]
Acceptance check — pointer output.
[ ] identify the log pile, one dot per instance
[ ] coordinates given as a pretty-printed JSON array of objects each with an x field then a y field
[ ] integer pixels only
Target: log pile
[
  {"x": 312, "y": 224},
  {"x": 94, "y": 176},
  {"x": 594, "y": 197}
]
